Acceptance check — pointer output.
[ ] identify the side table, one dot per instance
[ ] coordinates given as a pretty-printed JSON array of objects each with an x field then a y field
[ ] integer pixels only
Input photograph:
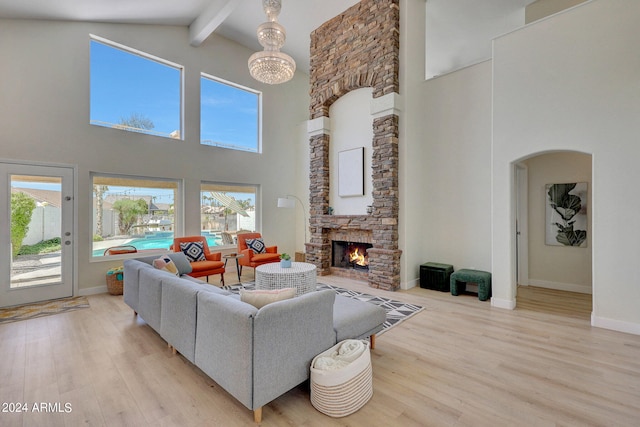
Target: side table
[{"x": 236, "y": 257}]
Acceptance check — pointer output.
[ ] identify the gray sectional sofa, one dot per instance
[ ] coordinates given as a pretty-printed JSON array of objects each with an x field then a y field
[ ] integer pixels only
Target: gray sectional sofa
[{"x": 254, "y": 354}]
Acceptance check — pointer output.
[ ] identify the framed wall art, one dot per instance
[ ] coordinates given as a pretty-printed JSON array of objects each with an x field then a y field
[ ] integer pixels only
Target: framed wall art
[
  {"x": 351, "y": 172},
  {"x": 566, "y": 214}
]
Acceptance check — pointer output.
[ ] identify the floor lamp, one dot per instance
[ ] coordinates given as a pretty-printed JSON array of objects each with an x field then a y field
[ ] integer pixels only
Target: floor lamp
[{"x": 287, "y": 203}]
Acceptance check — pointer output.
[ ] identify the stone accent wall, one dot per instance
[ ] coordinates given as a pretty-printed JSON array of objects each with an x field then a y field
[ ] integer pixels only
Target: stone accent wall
[{"x": 359, "y": 48}]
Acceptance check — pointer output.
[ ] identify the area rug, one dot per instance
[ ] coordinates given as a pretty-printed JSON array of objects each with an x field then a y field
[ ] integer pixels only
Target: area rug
[
  {"x": 41, "y": 309},
  {"x": 397, "y": 312}
]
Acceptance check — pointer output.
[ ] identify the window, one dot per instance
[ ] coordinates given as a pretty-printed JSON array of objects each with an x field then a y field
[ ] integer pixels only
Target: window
[
  {"x": 134, "y": 91},
  {"x": 229, "y": 115},
  {"x": 226, "y": 209},
  {"x": 134, "y": 211}
]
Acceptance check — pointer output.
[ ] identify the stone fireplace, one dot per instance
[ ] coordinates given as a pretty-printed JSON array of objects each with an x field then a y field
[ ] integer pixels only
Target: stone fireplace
[
  {"x": 350, "y": 255},
  {"x": 343, "y": 245},
  {"x": 357, "y": 49}
]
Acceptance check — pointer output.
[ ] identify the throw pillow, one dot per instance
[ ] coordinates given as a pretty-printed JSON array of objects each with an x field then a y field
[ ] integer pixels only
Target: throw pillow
[
  {"x": 194, "y": 251},
  {"x": 256, "y": 245},
  {"x": 181, "y": 261},
  {"x": 260, "y": 298},
  {"x": 165, "y": 263}
]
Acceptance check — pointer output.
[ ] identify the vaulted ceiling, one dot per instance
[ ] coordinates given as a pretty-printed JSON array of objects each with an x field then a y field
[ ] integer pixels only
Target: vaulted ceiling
[{"x": 234, "y": 19}]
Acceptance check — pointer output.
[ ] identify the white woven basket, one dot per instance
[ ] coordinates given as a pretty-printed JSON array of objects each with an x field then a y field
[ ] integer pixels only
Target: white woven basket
[{"x": 341, "y": 392}]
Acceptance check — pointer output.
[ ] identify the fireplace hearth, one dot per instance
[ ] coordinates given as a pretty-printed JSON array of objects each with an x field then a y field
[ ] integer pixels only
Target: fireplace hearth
[{"x": 350, "y": 255}]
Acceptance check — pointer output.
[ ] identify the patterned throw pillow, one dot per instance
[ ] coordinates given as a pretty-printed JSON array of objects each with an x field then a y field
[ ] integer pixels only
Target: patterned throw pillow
[
  {"x": 165, "y": 263},
  {"x": 256, "y": 245},
  {"x": 194, "y": 251}
]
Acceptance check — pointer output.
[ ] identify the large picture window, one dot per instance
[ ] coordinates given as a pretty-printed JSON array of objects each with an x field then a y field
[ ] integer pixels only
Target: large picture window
[
  {"x": 226, "y": 209},
  {"x": 134, "y": 91},
  {"x": 230, "y": 115},
  {"x": 134, "y": 212}
]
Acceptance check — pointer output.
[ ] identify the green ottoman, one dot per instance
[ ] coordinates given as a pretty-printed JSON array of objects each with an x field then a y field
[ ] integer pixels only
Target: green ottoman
[{"x": 460, "y": 278}]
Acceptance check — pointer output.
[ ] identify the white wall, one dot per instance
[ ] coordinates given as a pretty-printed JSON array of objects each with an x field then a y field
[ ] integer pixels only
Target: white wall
[
  {"x": 411, "y": 147},
  {"x": 557, "y": 267},
  {"x": 445, "y": 159},
  {"x": 351, "y": 127},
  {"x": 44, "y": 115},
  {"x": 571, "y": 82},
  {"x": 456, "y": 182}
]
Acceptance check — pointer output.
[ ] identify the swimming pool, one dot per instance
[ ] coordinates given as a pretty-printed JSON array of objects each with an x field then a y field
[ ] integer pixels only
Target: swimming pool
[{"x": 147, "y": 243}]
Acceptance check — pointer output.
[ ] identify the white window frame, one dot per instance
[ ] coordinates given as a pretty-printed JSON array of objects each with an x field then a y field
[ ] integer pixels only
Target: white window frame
[
  {"x": 258, "y": 118},
  {"x": 178, "y": 212},
  {"x": 162, "y": 61}
]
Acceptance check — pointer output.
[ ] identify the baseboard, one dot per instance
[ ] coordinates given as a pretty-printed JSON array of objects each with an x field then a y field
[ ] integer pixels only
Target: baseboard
[
  {"x": 93, "y": 291},
  {"x": 410, "y": 284},
  {"x": 508, "y": 304},
  {"x": 615, "y": 325},
  {"x": 569, "y": 287}
]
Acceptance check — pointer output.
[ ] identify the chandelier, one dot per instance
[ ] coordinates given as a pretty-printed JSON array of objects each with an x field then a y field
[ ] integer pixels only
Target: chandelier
[{"x": 270, "y": 65}]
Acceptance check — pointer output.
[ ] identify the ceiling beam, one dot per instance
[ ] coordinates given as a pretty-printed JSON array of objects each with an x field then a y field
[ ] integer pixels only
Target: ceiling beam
[{"x": 207, "y": 22}]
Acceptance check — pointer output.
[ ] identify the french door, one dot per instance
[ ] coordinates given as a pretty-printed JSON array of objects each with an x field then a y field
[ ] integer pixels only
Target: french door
[{"x": 36, "y": 209}]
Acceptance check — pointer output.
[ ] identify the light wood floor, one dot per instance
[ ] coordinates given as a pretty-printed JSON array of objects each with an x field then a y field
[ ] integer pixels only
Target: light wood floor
[{"x": 457, "y": 363}]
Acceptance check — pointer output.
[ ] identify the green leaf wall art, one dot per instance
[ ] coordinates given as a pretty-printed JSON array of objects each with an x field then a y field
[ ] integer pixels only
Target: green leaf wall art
[{"x": 566, "y": 214}]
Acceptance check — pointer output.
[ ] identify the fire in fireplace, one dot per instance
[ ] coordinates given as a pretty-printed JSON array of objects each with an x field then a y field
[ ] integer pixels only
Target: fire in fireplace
[{"x": 350, "y": 255}]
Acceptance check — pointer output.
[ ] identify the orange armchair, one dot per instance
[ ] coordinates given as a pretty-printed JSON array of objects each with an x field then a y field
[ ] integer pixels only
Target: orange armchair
[
  {"x": 252, "y": 259},
  {"x": 213, "y": 263}
]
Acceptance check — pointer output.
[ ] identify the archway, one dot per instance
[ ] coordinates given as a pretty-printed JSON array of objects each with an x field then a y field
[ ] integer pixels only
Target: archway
[{"x": 553, "y": 248}]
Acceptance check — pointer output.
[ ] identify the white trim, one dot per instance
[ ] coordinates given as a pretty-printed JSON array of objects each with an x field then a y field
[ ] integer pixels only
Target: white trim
[
  {"x": 410, "y": 284},
  {"x": 503, "y": 303},
  {"x": 570, "y": 287},
  {"x": 386, "y": 105},
  {"x": 161, "y": 61},
  {"x": 615, "y": 325},
  {"x": 134, "y": 51},
  {"x": 258, "y": 146},
  {"x": 522, "y": 223},
  {"x": 319, "y": 126},
  {"x": 93, "y": 291}
]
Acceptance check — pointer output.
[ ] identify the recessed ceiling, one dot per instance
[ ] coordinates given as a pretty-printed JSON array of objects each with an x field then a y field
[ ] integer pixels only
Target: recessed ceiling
[{"x": 236, "y": 19}]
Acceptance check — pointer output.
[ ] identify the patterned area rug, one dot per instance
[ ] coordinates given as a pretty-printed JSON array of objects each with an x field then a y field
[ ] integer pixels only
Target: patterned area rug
[
  {"x": 41, "y": 309},
  {"x": 397, "y": 312}
]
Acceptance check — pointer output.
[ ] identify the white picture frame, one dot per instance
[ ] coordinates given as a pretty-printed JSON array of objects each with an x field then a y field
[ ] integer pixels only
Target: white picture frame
[{"x": 351, "y": 172}]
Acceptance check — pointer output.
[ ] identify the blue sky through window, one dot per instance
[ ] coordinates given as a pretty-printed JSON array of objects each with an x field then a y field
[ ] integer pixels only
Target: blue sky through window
[
  {"x": 229, "y": 115},
  {"x": 124, "y": 83}
]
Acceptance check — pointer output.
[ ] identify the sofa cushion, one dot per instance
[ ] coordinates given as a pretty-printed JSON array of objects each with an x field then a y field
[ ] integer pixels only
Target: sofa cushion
[
  {"x": 256, "y": 245},
  {"x": 150, "y": 304},
  {"x": 178, "y": 314},
  {"x": 194, "y": 251},
  {"x": 131, "y": 282},
  {"x": 259, "y": 298},
  {"x": 356, "y": 319}
]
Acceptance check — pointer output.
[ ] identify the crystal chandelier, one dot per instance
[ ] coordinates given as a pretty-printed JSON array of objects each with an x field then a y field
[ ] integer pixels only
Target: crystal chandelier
[{"x": 270, "y": 65}]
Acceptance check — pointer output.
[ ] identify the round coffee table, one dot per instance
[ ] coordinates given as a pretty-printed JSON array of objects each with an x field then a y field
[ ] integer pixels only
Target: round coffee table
[{"x": 301, "y": 276}]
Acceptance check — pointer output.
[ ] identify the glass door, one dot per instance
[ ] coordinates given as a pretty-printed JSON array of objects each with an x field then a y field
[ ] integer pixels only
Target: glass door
[{"x": 36, "y": 225}]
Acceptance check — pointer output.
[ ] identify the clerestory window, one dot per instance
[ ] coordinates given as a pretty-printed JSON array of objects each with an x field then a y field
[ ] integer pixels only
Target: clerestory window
[
  {"x": 134, "y": 91},
  {"x": 229, "y": 115}
]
